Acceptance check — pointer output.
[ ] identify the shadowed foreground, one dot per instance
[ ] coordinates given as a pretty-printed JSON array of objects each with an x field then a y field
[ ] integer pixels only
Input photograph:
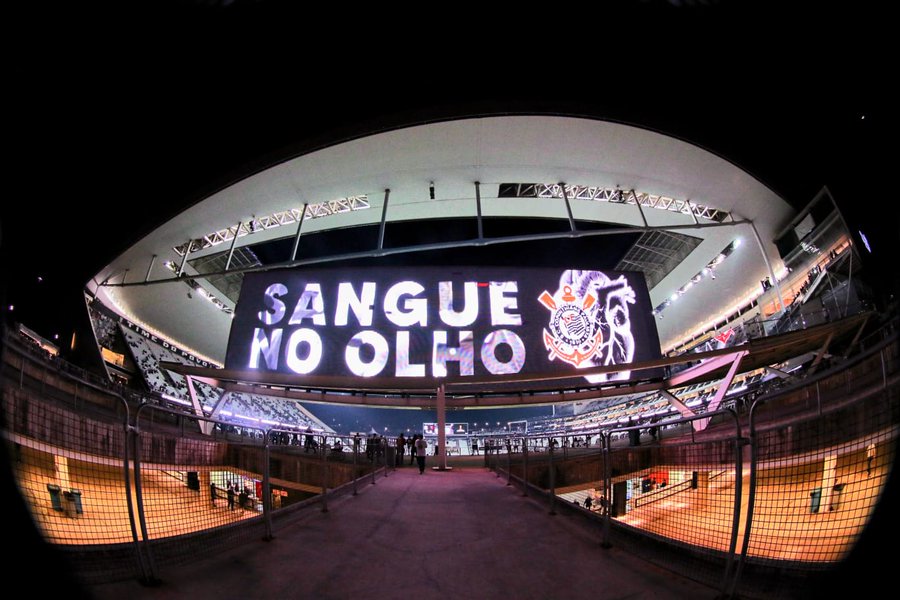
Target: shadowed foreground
[{"x": 462, "y": 533}]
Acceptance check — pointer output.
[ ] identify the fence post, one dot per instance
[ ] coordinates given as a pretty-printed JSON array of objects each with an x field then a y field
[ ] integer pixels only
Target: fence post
[
  {"x": 606, "y": 498},
  {"x": 552, "y": 481},
  {"x": 324, "y": 476},
  {"x": 267, "y": 493},
  {"x": 508, "y": 463},
  {"x": 751, "y": 496},
  {"x": 524, "y": 466},
  {"x": 355, "y": 454},
  {"x": 126, "y": 468},
  {"x": 136, "y": 439},
  {"x": 739, "y": 442}
]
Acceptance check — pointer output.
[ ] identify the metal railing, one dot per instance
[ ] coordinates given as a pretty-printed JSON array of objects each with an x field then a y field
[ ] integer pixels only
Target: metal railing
[{"x": 753, "y": 504}]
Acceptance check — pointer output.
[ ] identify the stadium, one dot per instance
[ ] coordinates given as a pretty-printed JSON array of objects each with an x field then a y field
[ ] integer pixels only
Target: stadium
[{"x": 627, "y": 329}]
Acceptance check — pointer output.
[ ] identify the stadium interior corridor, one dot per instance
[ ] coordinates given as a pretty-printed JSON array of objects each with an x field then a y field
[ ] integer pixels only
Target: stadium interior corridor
[{"x": 439, "y": 535}]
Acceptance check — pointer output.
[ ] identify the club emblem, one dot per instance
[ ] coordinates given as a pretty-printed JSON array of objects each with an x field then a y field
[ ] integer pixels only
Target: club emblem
[{"x": 572, "y": 335}]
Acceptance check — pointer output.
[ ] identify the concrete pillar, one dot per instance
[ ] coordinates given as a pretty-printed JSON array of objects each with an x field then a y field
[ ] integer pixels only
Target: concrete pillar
[
  {"x": 442, "y": 435},
  {"x": 205, "y": 493},
  {"x": 62, "y": 471},
  {"x": 829, "y": 479},
  {"x": 702, "y": 489}
]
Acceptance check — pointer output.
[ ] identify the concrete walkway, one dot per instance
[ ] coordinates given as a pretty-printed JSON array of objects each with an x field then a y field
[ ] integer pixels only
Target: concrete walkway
[{"x": 460, "y": 534}]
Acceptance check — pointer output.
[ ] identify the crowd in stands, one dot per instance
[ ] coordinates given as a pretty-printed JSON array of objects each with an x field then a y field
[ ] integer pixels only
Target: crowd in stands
[
  {"x": 104, "y": 327},
  {"x": 250, "y": 410}
]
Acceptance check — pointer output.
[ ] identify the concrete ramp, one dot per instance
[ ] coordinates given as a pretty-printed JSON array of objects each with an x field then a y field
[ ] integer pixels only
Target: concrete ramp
[{"x": 459, "y": 534}]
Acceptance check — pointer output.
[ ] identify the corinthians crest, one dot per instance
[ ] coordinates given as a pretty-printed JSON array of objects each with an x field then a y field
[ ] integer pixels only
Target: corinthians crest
[{"x": 573, "y": 335}]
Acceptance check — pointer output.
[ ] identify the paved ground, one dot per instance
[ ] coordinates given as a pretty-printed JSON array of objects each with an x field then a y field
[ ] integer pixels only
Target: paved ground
[{"x": 461, "y": 534}]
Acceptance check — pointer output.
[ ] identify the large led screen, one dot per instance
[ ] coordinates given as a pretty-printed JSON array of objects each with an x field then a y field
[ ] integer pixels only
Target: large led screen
[{"x": 441, "y": 322}]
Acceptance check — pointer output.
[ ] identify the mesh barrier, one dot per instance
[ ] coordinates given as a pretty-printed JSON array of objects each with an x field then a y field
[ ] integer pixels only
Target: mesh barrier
[
  {"x": 682, "y": 494},
  {"x": 755, "y": 503},
  {"x": 69, "y": 464},
  {"x": 190, "y": 485}
]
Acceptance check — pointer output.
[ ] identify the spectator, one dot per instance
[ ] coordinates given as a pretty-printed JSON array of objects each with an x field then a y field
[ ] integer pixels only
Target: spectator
[
  {"x": 401, "y": 448},
  {"x": 230, "y": 495},
  {"x": 413, "y": 452},
  {"x": 309, "y": 443},
  {"x": 421, "y": 450}
]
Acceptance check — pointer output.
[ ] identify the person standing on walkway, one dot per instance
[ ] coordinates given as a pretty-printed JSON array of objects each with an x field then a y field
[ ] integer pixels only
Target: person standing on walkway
[
  {"x": 421, "y": 450},
  {"x": 230, "y": 494},
  {"x": 412, "y": 448},
  {"x": 212, "y": 492},
  {"x": 401, "y": 448}
]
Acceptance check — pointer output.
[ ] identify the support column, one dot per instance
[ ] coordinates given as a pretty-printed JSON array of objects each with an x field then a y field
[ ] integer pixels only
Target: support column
[
  {"x": 387, "y": 195},
  {"x": 442, "y": 435},
  {"x": 205, "y": 426},
  {"x": 562, "y": 186},
  {"x": 637, "y": 203},
  {"x": 478, "y": 209},
  {"x": 765, "y": 256},
  {"x": 702, "y": 489},
  {"x": 237, "y": 230},
  {"x": 297, "y": 236},
  {"x": 62, "y": 471},
  {"x": 149, "y": 268},
  {"x": 205, "y": 491}
]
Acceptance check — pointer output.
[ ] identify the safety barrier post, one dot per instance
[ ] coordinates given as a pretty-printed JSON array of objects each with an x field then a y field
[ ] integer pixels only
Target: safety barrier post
[
  {"x": 324, "y": 475},
  {"x": 355, "y": 456},
  {"x": 524, "y": 466},
  {"x": 146, "y": 575},
  {"x": 552, "y": 476},
  {"x": 751, "y": 495},
  {"x": 374, "y": 458},
  {"x": 739, "y": 442},
  {"x": 152, "y": 576},
  {"x": 267, "y": 492},
  {"x": 606, "y": 497},
  {"x": 508, "y": 465}
]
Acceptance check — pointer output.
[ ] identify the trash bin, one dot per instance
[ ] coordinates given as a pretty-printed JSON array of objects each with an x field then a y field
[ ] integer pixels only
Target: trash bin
[
  {"x": 76, "y": 498},
  {"x": 836, "y": 496},
  {"x": 55, "y": 500},
  {"x": 815, "y": 500}
]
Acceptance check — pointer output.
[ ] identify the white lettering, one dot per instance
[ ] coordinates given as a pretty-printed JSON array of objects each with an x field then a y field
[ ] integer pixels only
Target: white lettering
[
  {"x": 489, "y": 352},
  {"x": 500, "y": 302},
  {"x": 469, "y": 312},
  {"x": 265, "y": 346},
  {"x": 404, "y": 368},
  {"x": 274, "y": 307},
  {"x": 294, "y": 361},
  {"x": 309, "y": 306},
  {"x": 415, "y": 310},
  {"x": 352, "y": 354},
  {"x": 361, "y": 306},
  {"x": 441, "y": 354}
]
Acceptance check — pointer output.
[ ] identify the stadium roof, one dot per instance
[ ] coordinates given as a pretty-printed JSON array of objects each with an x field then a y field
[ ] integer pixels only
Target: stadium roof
[{"x": 689, "y": 204}]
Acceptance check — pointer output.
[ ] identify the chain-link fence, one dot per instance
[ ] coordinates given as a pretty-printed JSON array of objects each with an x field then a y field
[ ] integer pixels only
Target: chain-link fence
[
  {"x": 750, "y": 503},
  {"x": 125, "y": 491},
  {"x": 784, "y": 487}
]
